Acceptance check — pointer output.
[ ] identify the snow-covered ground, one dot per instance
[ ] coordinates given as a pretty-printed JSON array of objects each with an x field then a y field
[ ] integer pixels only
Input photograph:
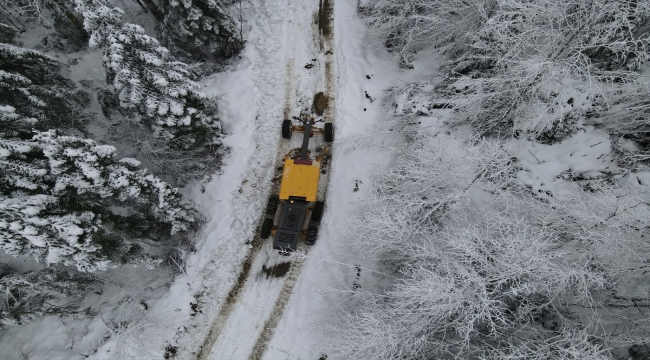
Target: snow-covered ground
[
  {"x": 226, "y": 306},
  {"x": 259, "y": 321},
  {"x": 274, "y": 317},
  {"x": 257, "y": 315}
]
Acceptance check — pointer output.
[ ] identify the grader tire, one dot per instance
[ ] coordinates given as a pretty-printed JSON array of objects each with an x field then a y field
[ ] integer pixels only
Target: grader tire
[
  {"x": 329, "y": 132},
  {"x": 312, "y": 234},
  {"x": 266, "y": 228},
  {"x": 286, "y": 129},
  {"x": 272, "y": 205},
  {"x": 317, "y": 213}
]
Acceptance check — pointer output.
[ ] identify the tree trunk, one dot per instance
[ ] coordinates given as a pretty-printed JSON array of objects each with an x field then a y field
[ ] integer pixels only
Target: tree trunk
[
  {"x": 153, "y": 8},
  {"x": 146, "y": 10},
  {"x": 70, "y": 16}
]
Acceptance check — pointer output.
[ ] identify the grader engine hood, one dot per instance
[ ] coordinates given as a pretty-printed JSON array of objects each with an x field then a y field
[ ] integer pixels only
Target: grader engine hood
[
  {"x": 300, "y": 179},
  {"x": 290, "y": 225}
]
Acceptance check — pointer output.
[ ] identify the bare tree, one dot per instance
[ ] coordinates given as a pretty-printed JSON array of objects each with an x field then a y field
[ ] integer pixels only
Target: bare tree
[
  {"x": 410, "y": 25},
  {"x": 519, "y": 65},
  {"x": 485, "y": 268}
]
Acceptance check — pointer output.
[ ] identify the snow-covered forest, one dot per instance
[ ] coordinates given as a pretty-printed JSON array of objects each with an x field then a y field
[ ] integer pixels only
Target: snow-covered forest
[
  {"x": 520, "y": 231},
  {"x": 102, "y": 117},
  {"x": 488, "y": 196}
]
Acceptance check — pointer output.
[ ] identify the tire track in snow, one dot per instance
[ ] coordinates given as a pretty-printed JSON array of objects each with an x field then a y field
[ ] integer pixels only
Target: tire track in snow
[
  {"x": 231, "y": 299},
  {"x": 257, "y": 243},
  {"x": 278, "y": 309}
]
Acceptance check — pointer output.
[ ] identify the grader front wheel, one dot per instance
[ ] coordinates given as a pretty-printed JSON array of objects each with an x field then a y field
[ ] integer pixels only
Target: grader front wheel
[
  {"x": 286, "y": 129},
  {"x": 329, "y": 132}
]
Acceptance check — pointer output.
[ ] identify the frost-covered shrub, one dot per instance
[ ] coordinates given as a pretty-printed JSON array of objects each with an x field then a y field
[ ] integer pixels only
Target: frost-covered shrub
[
  {"x": 434, "y": 174},
  {"x": 202, "y": 27},
  {"x": 482, "y": 268},
  {"x": 627, "y": 116},
  {"x": 7, "y": 33},
  {"x": 520, "y": 65},
  {"x": 526, "y": 98},
  {"x": 408, "y": 26},
  {"x": 515, "y": 64},
  {"x": 60, "y": 196},
  {"x": 52, "y": 14},
  {"x": 562, "y": 128},
  {"x": 178, "y": 163},
  {"x": 160, "y": 92}
]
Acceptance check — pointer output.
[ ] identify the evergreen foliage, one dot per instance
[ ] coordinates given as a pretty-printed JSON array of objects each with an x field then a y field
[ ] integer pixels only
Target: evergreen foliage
[
  {"x": 30, "y": 83},
  {"x": 52, "y": 14},
  {"x": 32, "y": 294},
  {"x": 7, "y": 33},
  {"x": 149, "y": 80},
  {"x": 59, "y": 196},
  {"x": 202, "y": 27}
]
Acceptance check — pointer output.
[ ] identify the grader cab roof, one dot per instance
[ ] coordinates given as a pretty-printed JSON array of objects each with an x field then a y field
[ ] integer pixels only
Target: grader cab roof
[{"x": 300, "y": 179}]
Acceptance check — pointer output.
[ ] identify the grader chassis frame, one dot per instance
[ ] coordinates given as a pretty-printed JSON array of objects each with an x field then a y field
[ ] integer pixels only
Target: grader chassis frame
[{"x": 298, "y": 189}]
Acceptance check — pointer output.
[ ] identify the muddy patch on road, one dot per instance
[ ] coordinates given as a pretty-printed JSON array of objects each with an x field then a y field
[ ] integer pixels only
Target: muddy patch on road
[
  {"x": 277, "y": 270},
  {"x": 320, "y": 103}
]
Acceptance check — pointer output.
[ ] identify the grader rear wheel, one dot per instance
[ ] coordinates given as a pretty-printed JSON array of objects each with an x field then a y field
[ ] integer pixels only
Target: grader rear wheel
[
  {"x": 312, "y": 234},
  {"x": 267, "y": 225},
  {"x": 317, "y": 213},
  {"x": 272, "y": 205}
]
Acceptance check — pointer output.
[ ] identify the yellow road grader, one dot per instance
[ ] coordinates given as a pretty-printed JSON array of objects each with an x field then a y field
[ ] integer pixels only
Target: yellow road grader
[{"x": 300, "y": 212}]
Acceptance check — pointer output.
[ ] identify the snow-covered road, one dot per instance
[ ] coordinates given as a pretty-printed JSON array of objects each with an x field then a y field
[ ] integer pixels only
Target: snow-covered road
[
  {"x": 250, "y": 302},
  {"x": 246, "y": 321}
]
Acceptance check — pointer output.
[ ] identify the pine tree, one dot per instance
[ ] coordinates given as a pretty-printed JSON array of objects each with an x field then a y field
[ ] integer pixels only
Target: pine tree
[
  {"x": 203, "y": 27},
  {"x": 149, "y": 80},
  {"x": 50, "y": 13},
  {"x": 33, "y": 293},
  {"x": 57, "y": 201},
  {"x": 30, "y": 83},
  {"x": 7, "y": 33}
]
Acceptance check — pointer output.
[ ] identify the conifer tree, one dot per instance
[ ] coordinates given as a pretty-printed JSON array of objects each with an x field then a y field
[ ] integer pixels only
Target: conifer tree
[
  {"x": 57, "y": 195},
  {"x": 203, "y": 27},
  {"x": 55, "y": 14},
  {"x": 7, "y": 33},
  {"x": 30, "y": 294},
  {"x": 149, "y": 80},
  {"x": 30, "y": 83}
]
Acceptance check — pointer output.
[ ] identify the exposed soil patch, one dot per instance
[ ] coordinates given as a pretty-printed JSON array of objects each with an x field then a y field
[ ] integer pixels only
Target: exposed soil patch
[
  {"x": 277, "y": 270},
  {"x": 320, "y": 103},
  {"x": 325, "y": 17}
]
